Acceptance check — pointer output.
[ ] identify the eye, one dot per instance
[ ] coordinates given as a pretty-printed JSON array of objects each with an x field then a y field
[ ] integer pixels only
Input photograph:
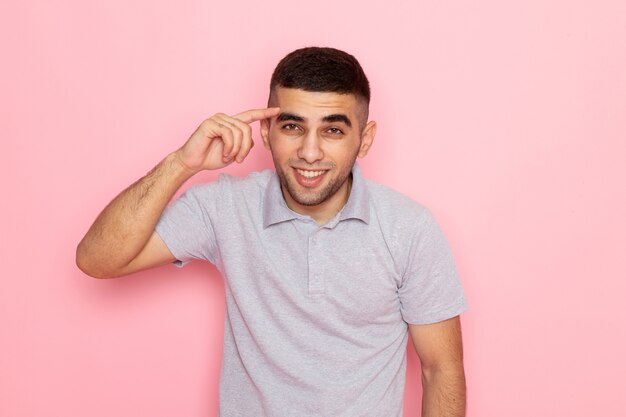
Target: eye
[
  {"x": 290, "y": 127},
  {"x": 334, "y": 131}
]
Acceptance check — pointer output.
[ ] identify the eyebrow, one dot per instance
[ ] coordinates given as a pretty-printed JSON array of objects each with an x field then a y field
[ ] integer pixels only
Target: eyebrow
[
  {"x": 331, "y": 118},
  {"x": 283, "y": 117}
]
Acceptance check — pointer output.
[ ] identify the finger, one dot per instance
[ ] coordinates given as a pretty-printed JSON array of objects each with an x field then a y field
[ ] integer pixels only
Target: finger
[
  {"x": 238, "y": 130},
  {"x": 253, "y": 115},
  {"x": 246, "y": 145},
  {"x": 246, "y": 140},
  {"x": 225, "y": 132}
]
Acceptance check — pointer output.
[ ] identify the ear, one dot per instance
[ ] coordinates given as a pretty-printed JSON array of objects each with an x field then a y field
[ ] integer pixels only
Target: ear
[
  {"x": 265, "y": 133},
  {"x": 367, "y": 138}
]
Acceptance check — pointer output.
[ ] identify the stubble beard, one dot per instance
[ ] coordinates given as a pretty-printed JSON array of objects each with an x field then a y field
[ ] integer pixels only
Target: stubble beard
[{"x": 309, "y": 197}]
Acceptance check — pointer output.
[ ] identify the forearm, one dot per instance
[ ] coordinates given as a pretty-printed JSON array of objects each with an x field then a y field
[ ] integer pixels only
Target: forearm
[
  {"x": 122, "y": 229},
  {"x": 444, "y": 393},
  {"x": 119, "y": 242}
]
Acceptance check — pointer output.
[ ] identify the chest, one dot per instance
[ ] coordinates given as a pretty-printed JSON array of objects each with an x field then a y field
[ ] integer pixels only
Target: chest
[{"x": 346, "y": 272}]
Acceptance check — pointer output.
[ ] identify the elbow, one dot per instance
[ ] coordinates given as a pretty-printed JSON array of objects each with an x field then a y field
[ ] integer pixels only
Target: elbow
[
  {"x": 88, "y": 264},
  {"x": 93, "y": 273},
  {"x": 448, "y": 372}
]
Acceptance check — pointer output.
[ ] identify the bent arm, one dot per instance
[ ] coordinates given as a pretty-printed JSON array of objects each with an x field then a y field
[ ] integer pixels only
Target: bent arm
[
  {"x": 440, "y": 349},
  {"x": 122, "y": 238}
]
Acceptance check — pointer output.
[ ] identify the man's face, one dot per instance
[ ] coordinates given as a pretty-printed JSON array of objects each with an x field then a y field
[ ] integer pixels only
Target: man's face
[{"x": 314, "y": 142}]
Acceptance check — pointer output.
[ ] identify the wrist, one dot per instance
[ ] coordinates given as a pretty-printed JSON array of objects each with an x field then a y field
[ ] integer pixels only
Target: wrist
[{"x": 180, "y": 170}]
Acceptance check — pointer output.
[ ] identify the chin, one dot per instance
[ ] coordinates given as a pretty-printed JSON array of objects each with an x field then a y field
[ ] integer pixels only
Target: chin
[{"x": 313, "y": 197}]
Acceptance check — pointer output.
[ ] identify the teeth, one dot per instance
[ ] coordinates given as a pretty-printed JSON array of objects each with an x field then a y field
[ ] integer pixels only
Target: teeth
[{"x": 310, "y": 174}]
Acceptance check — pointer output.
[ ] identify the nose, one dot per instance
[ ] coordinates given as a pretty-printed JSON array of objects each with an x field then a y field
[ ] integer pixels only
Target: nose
[{"x": 310, "y": 149}]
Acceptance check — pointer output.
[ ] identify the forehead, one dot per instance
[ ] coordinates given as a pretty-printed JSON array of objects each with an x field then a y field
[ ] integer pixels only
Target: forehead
[{"x": 314, "y": 105}]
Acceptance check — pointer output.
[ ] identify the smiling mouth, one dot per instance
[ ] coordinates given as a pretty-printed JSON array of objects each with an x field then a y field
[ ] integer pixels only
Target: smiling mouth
[{"x": 309, "y": 174}]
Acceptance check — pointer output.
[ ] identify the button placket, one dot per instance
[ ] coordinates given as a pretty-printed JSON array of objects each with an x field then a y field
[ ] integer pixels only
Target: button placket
[{"x": 316, "y": 280}]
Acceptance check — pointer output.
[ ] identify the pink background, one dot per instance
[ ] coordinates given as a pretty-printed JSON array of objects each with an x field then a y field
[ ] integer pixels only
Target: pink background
[{"x": 505, "y": 118}]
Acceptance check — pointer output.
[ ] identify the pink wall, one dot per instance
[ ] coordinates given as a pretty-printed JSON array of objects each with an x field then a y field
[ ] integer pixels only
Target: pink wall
[{"x": 507, "y": 119}]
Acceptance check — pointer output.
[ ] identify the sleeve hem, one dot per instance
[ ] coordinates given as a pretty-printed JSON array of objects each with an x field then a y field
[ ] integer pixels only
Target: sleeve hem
[
  {"x": 165, "y": 237},
  {"x": 439, "y": 316}
]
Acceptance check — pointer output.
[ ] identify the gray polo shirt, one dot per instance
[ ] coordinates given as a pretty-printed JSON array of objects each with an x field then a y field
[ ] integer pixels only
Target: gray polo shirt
[{"x": 316, "y": 320}]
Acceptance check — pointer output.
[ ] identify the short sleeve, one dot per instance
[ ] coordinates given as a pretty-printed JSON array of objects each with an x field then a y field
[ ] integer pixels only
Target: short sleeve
[
  {"x": 430, "y": 289},
  {"x": 185, "y": 226}
]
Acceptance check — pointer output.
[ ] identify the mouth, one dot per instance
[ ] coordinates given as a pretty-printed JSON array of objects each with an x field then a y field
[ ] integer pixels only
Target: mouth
[
  {"x": 309, "y": 178},
  {"x": 309, "y": 174}
]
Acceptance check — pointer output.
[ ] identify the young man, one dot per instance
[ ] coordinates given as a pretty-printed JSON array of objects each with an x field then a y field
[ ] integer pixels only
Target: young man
[{"x": 326, "y": 273}]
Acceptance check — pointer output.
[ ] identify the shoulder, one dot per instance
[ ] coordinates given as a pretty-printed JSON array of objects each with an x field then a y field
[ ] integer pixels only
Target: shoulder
[
  {"x": 393, "y": 207},
  {"x": 228, "y": 192},
  {"x": 226, "y": 183},
  {"x": 404, "y": 224}
]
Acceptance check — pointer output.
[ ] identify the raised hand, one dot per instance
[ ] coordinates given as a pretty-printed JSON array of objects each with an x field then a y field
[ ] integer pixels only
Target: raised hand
[{"x": 221, "y": 139}]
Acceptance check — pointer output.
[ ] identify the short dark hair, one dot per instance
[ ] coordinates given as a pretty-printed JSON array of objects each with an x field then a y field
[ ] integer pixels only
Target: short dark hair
[{"x": 319, "y": 69}]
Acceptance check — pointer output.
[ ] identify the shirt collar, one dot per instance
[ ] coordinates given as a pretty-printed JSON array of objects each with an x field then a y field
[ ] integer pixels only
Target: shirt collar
[{"x": 275, "y": 208}]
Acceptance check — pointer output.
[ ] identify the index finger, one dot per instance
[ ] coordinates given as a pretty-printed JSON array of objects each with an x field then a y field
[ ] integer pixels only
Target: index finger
[{"x": 253, "y": 115}]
